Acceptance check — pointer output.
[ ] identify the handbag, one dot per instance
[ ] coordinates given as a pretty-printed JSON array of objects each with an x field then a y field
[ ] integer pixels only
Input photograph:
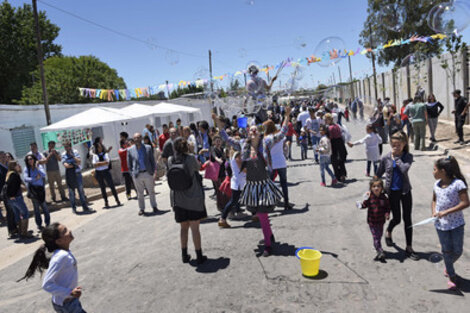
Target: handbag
[
  {"x": 225, "y": 187},
  {"x": 212, "y": 170}
]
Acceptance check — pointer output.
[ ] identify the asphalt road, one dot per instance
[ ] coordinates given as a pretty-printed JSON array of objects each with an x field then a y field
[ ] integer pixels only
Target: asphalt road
[{"x": 130, "y": 263}]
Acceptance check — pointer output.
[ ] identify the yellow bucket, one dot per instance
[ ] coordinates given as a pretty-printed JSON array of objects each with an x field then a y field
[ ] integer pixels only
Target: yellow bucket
[{"x": 309, "y": 261}]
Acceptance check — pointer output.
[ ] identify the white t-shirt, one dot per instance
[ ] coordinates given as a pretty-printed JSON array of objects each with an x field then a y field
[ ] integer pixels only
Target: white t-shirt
[
  {"x": 96, "y": 159},
  {"x": 302, "y": 117},
  {"x": 447, "y": 198},
  {"x": 238, "y": 180}
]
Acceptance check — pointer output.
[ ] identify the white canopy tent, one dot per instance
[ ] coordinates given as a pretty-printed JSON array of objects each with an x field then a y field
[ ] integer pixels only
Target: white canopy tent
[{"x": 109, "y": 120}]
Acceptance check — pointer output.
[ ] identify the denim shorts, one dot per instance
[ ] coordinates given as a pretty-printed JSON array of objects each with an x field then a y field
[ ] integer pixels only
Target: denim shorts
[{"x": 73, "y": 306}]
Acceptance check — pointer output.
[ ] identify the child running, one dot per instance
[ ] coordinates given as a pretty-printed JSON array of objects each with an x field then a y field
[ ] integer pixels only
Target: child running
[
  {"x": 450, "y": 197},
  {"x": 378, "y": 210},
  {"x": 61, "y": 278},
  {"x": 324, "y": 150},
  {"x": 371, "y": 141}
]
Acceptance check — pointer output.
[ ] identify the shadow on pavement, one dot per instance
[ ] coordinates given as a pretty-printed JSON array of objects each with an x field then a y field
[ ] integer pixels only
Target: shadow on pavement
[
  {"x": 91, "y": 211},
  {"x": 320, "y": 276},
  {"x": 210, "y": 219},
  {"x": 211, "y": 265},
  {"x": 27, "y": 240},
  {"x": 159, "y": 212},
  {"x": 290, "y": 212},
  {"x": 278, "y": 249},
  {"x": 400, "y": 255}
]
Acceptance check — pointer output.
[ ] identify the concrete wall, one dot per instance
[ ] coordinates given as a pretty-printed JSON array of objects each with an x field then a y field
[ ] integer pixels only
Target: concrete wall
[{"x": 429, "y": 74}]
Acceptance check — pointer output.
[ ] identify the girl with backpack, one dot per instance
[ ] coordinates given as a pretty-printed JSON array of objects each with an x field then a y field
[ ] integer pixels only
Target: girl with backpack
[
  {"x": 34, "y": 177},
  {"x": 61, "y": 279},
  {"x": 187, "y": 196}
]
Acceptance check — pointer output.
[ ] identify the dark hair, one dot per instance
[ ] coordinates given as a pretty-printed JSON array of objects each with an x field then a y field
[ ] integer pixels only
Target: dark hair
[
  {"x": 40, "y": 261},
  {"x": 96, "y": 145},
  {"x": 370, "y": 126},
  {"x": 376, "y": 180},
  {"x": 146, "y": 137},
  {"x": 124, "y": 134},
  {"x": 417, "y": 98},
  {"x": 457, "y": 92},
  {"x": 193, "y": 127},
  {"x": 178, "y": 120},
  {"x": 52, "y": 142},
  {"x": 324, "y": 128},
  {"x": 204, "y": 125},
  {"x": 97, "y": 140},
  {"x": 451, "y": 167},
  {"x": 122, "y": 143},
  {"x": 181, "y": 146},
  {"x": 164, "y": 126},
  {"x": 26, "y": 160}
]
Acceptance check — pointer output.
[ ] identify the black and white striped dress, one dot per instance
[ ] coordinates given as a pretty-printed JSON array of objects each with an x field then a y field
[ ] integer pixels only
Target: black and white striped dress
[{"x": 260, "y": 193}]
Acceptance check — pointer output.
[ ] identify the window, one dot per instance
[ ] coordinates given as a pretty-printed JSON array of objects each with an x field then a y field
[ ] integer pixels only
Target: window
[
  {"x": 190, "y": 117},
  {"x": 158, "y": 122},
  {"x": 21, "y": 138}
]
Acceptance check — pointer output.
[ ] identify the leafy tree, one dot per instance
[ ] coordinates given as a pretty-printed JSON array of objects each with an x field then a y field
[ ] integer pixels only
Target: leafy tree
[
  {"x": 454, "y": 45},
  {"x": 178, "y": 92},
  {"x": 416, "y": 12},
  {"x": 65, "y": 74},
  {"x": 18, "y": 56}
]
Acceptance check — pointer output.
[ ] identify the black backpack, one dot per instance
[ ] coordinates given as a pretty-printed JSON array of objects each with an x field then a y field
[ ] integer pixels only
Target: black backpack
[{"x": 178, "y": 177}]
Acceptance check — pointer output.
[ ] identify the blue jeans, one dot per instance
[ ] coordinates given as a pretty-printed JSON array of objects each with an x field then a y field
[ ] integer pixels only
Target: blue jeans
[
  {"x": 452, "y": 246},
  {"x": 37, "y": 213},
  {"x": 81, "y": 194},
  {"x": 303, "y": 150},
  {"x": 369, "y": 163},
  {"x": 325, "y": 166},
  {"x": 315, "y": 141},
  {"x": 282, "y": 172},
  {"x": 233, "y": 204},
  {"x": 73, "y": 306},
  {"x": 19, "y": 208}
]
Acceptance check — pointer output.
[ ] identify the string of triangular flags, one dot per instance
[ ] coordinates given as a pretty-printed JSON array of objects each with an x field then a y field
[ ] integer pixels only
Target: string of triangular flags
[{"x": 145, "y": 92}]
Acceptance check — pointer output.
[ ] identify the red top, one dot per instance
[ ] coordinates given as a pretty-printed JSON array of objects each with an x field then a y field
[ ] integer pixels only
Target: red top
[
  {"x": 334, "y": 131},
  {"x": 161, "y": 140},
  {"x": 403, "y": 116},
  {"x": 290, "y": 130},
  {"x": 377, "y": 208},
  {"x": 123, "y": 156}
]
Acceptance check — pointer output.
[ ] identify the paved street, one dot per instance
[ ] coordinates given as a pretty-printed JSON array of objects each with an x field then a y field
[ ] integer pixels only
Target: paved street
[{"x": 130, "y": 263}]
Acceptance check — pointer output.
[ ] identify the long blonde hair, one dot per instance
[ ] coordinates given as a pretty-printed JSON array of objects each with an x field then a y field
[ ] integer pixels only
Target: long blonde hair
[{"x": 11, "y": 168}]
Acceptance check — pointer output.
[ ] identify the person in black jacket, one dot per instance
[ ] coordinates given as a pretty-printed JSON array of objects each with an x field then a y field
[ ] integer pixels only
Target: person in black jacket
[
  {"x": 434, "y": 109},
  {"x": 10, "y": 216},
  {"x": 460, "y": 114}
]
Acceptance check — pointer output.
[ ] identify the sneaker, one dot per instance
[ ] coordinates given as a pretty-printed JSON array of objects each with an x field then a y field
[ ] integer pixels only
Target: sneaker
[
  {"x": 267, "y": 252},
  {"x": 323, "y": 184},
  {"x": 224, "y": 224},
  {"x": 461, "y": 142},
  {"x": 367, "y": 174},
  {"x": 334, "y": 182},
  {"x": 74, "y": 210},
  {"x": 381, "y": 256},
  {"x": 255, "y": 218},
  {"x": 239, "y": 216},
  {"x": 186, "y": 258},
  {"x": 118, "y": 203},
  {"x": 457, "y": 141},
  {"x": 288, "y": 206},
  {"x": 106, "y": 204},
  {"x": 412, "y": 255},
  {"x": 141, "y": 212},
  {"x": 155, "y": 210},
  {"x": 128, "y": 197}
]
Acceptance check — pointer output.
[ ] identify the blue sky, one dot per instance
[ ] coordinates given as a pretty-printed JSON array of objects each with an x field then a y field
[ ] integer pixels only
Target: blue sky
[{"x": 266, "y": 31}]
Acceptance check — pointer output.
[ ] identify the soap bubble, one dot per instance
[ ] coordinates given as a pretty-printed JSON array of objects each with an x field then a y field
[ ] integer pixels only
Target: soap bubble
[
  {"x": 436, "y": 258},
  {"x": 250, "y": 2},
  {"x": 416, "y": 63},
  {"x": 328, "y": 49},
  {"x": 152, "y": 43},
  {"x": 242, "y": 53},
  {"x": 298, "y": 73},
  {"x": 393, "y": 17},
  {"x": 172, "y": 57},
  {"x": 299, "y": 42},
  {"x": 449, "y": 17},
  {"x": 201, "y": 73}
]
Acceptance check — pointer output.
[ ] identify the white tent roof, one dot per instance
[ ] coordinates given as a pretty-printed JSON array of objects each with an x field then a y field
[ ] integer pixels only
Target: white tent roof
[
  {"x": 137, "y": 110},
  {"x": 89, "y": 118},
  {"x": 166, "y": 107}
]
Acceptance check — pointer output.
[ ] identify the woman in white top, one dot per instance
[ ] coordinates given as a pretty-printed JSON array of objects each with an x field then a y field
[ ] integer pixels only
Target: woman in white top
[
  {"x": 371, "y": 141},
  {"x": 273, "y": 147},
  {"x": 237, "y": 183},
  {"x": 191, "y": 139},
  {"x": 61, "y": 279},
  {"x": 102, "y": 174}
]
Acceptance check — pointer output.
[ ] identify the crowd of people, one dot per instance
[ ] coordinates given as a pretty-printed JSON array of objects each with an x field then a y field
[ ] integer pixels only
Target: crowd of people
[{"x": 243, "y": 163}]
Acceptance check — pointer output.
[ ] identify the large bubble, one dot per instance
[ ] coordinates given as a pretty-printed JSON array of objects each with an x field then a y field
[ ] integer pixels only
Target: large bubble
[
  {"x": 329, "y": 50},
  {"x": 202, "y": 72},
  {"x": 152, "y": 43},
  {"x": 393, "y": 17},
  {"x": 172, "y": 57},
  {"x": 242, "y": 53},
  {"x": 417, "y": 63},
  {"x": 298, "y": 73},
  {"x": 299, "y": 42},
  {"x": 449, "y": 17}
]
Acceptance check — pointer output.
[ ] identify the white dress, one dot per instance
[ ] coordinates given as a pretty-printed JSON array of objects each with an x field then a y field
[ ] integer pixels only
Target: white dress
[{"x": 371, "y": 142}]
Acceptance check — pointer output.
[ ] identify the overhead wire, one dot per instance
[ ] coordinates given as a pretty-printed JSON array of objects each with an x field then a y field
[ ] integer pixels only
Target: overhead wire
[{"x": 119, "y": 33}]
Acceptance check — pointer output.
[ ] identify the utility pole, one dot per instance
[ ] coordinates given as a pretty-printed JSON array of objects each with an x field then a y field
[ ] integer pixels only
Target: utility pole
[
  {"x": 41, "y": 65},
  {"x": 168, "y": 89},
  {"x": 267, "y": 72},
  {"x": 350, "y": 76},
  {"x": 339, "y": 72},
  {"x": 373, "y": 62},
  {"x": 210, "y": 70},
  {"x": 334, "y": 78}
]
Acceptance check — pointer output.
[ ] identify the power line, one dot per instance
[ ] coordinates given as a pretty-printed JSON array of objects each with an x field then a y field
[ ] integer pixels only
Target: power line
[{"x": 118, "y": 32}]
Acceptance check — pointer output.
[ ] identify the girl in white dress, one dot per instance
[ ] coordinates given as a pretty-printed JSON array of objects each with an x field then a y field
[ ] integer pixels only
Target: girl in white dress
[{"x": 371, "y": 142}]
